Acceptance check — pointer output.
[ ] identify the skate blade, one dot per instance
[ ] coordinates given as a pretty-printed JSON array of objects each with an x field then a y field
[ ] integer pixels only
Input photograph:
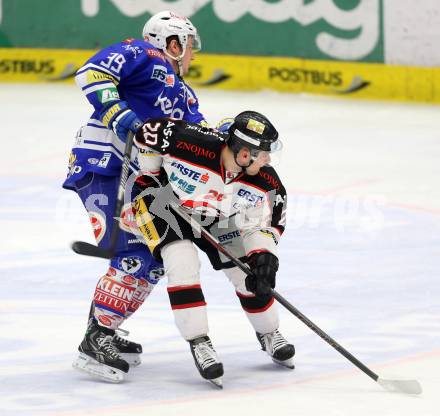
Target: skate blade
[
  {"x": 104, "y": 372},
  {"x": 286, "y": 363},
  {"x": 133, "y": 359},
  {"x": 217, "y": 382}
]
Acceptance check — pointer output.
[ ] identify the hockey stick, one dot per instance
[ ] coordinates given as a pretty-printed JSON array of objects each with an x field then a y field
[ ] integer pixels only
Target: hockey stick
[
  {"x": 402, "y": 386},
  {"x": 87, "y": 249}
]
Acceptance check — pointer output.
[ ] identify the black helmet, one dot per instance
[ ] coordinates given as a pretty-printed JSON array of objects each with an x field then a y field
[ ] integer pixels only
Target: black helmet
[{"x": 253, "y": 130}]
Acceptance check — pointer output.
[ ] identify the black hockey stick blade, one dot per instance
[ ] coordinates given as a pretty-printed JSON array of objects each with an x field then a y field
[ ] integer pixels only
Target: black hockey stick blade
[{"x": 87, "y": 249}]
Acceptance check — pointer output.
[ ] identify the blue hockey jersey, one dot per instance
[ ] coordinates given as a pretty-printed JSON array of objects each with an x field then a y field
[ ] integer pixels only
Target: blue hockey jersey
[{"x": 136, "y": 72}]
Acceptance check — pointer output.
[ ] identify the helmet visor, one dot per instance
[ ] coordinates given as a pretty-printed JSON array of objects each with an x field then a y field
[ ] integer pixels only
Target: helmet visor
[
  {"x": 196, "y": 43},
  {"x": 272, "y": 158}
]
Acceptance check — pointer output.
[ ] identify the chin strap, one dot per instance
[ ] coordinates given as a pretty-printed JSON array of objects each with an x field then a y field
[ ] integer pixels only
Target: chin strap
[{"x": 178, "y": 59}]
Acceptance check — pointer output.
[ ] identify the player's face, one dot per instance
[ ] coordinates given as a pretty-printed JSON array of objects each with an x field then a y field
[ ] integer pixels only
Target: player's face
[
  {"x": 258, "y": 158},
  {"x": 188, "y": 56}
]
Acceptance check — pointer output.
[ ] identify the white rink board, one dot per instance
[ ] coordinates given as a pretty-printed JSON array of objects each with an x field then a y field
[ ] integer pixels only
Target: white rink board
[{"x": 360, "y": 257}]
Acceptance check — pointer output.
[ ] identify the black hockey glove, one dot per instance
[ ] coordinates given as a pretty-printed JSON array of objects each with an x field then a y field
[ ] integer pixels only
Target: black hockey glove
[{"x": 264, "y": 267}]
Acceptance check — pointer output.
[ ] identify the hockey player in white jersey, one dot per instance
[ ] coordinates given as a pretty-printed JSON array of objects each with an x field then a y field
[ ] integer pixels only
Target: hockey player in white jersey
[{"x": 224, "y": 180}]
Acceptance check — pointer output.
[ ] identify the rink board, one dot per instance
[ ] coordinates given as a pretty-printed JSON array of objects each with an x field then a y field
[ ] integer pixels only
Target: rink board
[{"x": 357, "y": 80}]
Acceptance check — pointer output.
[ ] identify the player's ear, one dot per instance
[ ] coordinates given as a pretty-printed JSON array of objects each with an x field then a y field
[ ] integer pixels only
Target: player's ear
[{"x": 174, "y": 47}]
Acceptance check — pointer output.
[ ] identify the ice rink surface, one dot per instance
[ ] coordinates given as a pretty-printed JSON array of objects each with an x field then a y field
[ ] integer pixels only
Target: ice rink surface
[{"x": 360, "y": 257}]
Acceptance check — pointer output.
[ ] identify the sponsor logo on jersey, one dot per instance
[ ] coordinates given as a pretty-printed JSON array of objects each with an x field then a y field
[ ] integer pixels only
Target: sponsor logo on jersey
[
  {"x": 160, "y": 73},
  {"x": 94, "y": 76},
  {"x": 269, "y": 179},
  {"x": 154, "y": 53},
  {"x": 114, "y": 295},
  {"x": 205, "y": 130},
  {"x": 109, "y": 94},
  {"x": 204, "y": 178},
  {"x": 136, "y": 50},
  {"x": 128, "y": 219},
  {"x": 254, "y": 199},
  {"x": 141, "y": 292},
  {"x": 103, "y": 162},
  {"x": 129, "y": 280},
  {"x": 192, "y": 174},
  {"x": 269, "y": 234},
  {"x": 92, "y": 161},
  {"x": 111, "y": 271},
  {"x": 228, "y": 236},
  {"x": 105, "y": 320},
  {"x": 98, "y": 225},
  {"x": 197, "y": 150},
  {"x": 167, "y": 106},
  {"x": 181, "y": 184},
  {"x": 131, "y": 264}
]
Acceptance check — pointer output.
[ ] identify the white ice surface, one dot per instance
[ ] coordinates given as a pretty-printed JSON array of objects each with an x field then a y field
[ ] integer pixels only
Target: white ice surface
[{"x": 360, "y": 257}]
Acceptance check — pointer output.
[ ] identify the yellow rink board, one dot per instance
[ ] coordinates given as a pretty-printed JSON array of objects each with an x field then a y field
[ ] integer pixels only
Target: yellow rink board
[{"x": 346, "y": 79}]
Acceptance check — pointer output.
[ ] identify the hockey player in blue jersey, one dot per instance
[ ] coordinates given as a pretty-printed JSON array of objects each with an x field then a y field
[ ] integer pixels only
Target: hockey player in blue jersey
[{"x": 127, "y": 84}]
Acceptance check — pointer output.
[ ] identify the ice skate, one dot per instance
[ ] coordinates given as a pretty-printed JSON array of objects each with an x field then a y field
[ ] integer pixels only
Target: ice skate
[
  {"x": 98, "y": 355},
  {"x": 206, "y": 360},
  {"x": 130, "y": 351},
  {"x": 278, "y": 348}
]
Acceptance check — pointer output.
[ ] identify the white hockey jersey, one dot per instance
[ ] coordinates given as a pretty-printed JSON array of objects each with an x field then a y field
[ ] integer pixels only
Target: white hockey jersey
[{"x": 190, "y": 155}]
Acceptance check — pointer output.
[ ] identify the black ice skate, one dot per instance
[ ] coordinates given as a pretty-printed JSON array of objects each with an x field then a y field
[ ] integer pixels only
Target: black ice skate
[
  {"x": 130, "y": 351},
  {"x": 98, "y": 355},
  {"x": 205, "y": 357},
  {"x": 278, "y": 348}
]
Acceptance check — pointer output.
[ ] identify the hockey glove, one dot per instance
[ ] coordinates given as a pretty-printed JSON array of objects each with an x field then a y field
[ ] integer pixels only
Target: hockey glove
[
  {"x": 119, "y": 118},
  {"x": 264, "y": 266}
]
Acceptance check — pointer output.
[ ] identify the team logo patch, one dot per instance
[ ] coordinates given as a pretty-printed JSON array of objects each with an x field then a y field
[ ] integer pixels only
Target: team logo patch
[
  {"x": 255, "y": 126},
  {"x": 98, "y": 225},
  {"x": 93, "y": 161},
  {"x": 103, "y": 162},
  {"x": 131, "y": 264},
  {"x": 128, "y": 219},
  {"x": 155, "y": 275}
]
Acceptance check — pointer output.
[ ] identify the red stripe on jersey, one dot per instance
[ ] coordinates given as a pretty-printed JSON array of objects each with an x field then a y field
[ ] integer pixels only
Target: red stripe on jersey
[
  {"x": 257, "y": 251},
  {"x": 261, "y": 309},
  {"x": 242, "y": 295},
  {"x": 188, "y": 305},
  {"x": 178, "y": 288}
]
